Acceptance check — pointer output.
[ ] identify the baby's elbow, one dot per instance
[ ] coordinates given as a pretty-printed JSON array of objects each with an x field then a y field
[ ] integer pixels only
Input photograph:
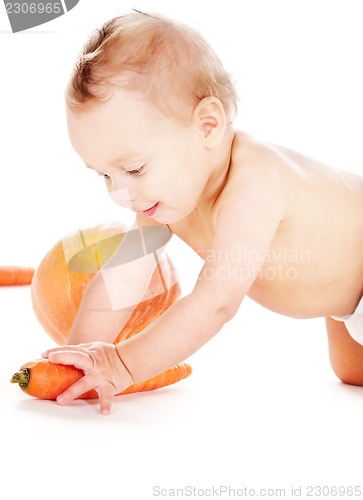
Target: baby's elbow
[
  {"x": 222, "y": 302},
  {"x": 226, "y": 308}
]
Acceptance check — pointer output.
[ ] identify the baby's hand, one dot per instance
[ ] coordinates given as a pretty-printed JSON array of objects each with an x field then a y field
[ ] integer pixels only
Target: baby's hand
[{"x": 103, "y": 369}]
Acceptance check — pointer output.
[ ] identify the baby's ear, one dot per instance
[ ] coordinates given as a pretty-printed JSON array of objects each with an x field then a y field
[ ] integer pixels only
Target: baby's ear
[{"x": 210, "y": 118}]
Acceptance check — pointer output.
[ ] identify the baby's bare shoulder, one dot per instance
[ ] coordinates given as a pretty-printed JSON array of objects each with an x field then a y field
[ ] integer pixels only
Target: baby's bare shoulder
[
  {"x": 300, "y": 188},
  {"x": 260, "y": 163}
]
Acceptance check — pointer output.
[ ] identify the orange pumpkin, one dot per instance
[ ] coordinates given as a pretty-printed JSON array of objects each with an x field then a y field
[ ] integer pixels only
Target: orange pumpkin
[{"x": 62, "y": 276}]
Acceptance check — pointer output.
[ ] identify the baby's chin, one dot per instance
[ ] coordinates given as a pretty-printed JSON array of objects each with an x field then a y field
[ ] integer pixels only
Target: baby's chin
[
  {"x": 163, "y": 220},
  {"x": 169, "y": 217}
]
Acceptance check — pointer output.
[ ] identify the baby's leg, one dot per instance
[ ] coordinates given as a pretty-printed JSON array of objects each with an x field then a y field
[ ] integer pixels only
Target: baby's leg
[{"x": 346, "y": 355}]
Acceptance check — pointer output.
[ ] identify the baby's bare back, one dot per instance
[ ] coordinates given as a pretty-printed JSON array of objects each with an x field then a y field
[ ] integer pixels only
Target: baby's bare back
[{"x": 315, "y": 266}]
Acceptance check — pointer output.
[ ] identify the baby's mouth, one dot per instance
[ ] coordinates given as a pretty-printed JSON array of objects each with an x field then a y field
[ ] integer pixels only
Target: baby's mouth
[{"x": 151, "y": 211}]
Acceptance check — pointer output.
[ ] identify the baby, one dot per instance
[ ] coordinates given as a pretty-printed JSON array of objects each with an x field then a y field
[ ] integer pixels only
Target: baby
[{"x": 151, "y": 109}]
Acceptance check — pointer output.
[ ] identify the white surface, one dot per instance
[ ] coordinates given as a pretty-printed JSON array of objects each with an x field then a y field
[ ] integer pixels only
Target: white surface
[{"x": 262, "y": 408}]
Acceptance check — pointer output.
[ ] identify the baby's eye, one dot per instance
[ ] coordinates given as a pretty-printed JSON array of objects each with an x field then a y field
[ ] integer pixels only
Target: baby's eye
[{"x": 135, "y": 171}]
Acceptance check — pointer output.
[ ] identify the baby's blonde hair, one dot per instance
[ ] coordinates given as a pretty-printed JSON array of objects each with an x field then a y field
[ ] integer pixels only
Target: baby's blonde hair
[{"x": 168, "y": 62}]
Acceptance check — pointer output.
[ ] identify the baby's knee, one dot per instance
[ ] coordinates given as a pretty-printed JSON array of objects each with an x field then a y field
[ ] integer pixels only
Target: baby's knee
[
  {"x": 346, "y": 355},
  {"x": 349, "y": 375}
]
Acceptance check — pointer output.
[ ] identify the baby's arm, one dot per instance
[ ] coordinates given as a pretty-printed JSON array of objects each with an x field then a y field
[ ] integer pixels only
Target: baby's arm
[
  {"x": 244, "y": 225},
  {"x": 245, "y": 230}
]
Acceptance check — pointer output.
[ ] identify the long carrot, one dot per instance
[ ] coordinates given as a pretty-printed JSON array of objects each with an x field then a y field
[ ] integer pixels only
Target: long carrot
[
  {"x": 45, "y": 380},
  {"x": 13, "y": 275}
]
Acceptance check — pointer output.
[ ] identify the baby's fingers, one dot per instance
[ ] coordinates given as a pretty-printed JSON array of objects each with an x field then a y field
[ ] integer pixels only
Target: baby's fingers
[
  {"x": 64, "y": 348},
  {"x": 78, "y": 359},
  {"x": 106, "y": 394},
  {"x": 82, "y": 385}
]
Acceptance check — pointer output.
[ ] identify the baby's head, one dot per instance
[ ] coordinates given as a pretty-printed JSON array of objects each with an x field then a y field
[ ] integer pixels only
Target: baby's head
[
  {"x": 150, "y": 108},
  {"x": 168, "y": 63}
]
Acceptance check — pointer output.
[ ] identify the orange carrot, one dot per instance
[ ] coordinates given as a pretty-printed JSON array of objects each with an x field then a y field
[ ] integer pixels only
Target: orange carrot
[
  {"x": 12, "y": 275},
  {"x": 45, "y": 380}
]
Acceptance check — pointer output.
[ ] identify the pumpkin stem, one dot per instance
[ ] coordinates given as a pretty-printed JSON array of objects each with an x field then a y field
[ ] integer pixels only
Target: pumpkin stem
[{"x": 22, "y": 378}]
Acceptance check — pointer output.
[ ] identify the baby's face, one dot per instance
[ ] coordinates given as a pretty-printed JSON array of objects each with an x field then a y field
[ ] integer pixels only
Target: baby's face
[{"x": 151, "y": 163}]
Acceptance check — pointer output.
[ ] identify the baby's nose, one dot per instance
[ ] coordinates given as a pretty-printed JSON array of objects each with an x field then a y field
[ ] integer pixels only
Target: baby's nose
[{"x": 123, "y": 197}]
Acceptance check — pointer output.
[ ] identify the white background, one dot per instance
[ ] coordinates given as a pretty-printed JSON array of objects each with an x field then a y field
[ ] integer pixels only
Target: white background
[{"x": 262, "y": 408}]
